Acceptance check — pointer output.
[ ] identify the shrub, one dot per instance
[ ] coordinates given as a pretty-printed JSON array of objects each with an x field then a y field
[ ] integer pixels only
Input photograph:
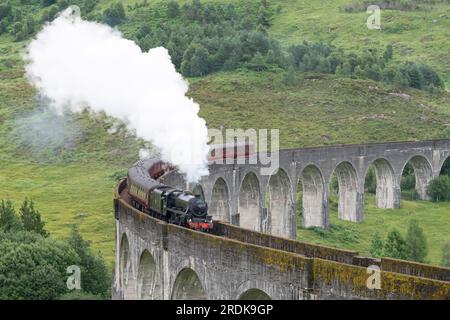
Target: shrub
[
  {"x": 31, "y": 218},
  {"x": 8, "y": 218},
  {"x": 35, "y": 271},
  {"x": 114, "y": 15},
  {"x": 94, "y": 274},
  {"x": 388, "y": 53},
  {"x": 200, "y": 62},
  {"x": 439, "y": 189},
  {"x": 371, "y": 181},
  {"x": 33, "y": 266},
  {"x": 118, "y": 175},
  {"x": 408, "y": 182},
  {"x": 173, "y": 9},
  {"x": 334, "y": 184},
  {"x": 3, "y": 25},
  {"x": 62, "y": 4},
  {"x": 258, "y": 63},
  {"x": 89, "y": 5},
  {"x": 395, "y": 245},
  {"x": 49, "y": 13},
  {"x": 416, "y": 242},
  {"x": 289, "y": 78},
  {"x": 46, "y": 3},
  {"x": 376, "y": 246},
  {"x": 5, "y": 10},
  {"x": 29, "y": 26}
]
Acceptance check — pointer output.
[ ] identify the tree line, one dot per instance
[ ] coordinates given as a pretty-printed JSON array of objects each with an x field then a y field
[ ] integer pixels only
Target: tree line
[
  {"x": 23, "y": 18},
  {"x": 203, "y": 38},
  {"x": 33, "y": 265}
]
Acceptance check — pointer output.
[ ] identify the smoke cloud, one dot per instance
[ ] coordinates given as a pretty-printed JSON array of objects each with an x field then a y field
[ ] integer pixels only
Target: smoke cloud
[{"x": 76, "y": 63}]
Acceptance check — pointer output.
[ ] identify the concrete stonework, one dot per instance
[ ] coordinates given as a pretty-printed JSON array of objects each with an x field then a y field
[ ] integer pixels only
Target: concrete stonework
[
  {"x": 156, "y": 260},
  {"x": 252, "y": 256},
  {"x": 192, "y": 265},
  {"x": 237, "y": 193}
]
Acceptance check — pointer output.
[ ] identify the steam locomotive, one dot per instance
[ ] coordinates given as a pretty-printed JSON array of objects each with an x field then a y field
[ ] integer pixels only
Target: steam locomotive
[{"x": 163, "y": 202}]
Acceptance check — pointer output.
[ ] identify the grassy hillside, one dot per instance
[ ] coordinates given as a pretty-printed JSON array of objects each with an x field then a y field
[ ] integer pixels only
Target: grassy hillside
[
  {"x": 321, "y": 110},
  {"x": 432, "y": 217},
  {"x": 66, "y": 195},
  {"x": 417, "y": 35},
  {"x": 71, "y": 175}
]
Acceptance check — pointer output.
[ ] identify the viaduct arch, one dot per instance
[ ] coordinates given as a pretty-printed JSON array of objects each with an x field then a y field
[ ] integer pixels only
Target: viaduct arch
[
  {"x": 220, "y": 201},
  {"x": 387, "y": 195},
  {"x": 249, "y": 202},
  {"x": 254, "y": 294},
  {"x": 188, "y": 286},
  {"x": 315, "y": 205},
  {"x": 280, "y": 202},
  {"x": 147, "y": 279}
]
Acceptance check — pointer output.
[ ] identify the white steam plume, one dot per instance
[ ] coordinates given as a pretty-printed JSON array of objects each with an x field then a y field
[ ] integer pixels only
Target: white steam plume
[{"x": 76, "y": 63}]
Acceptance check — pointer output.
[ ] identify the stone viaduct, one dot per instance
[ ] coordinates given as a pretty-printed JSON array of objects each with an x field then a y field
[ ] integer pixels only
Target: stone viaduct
[
  {"x": 239, "y": 194},
  {"x": 250, "y": 256},
  {"x": 155, "y": 260}
]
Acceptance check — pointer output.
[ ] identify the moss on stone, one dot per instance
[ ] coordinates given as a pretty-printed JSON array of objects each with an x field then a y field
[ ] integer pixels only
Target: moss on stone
[
  {"x": 415, "y": 269},
  {"x": 353, "y": 279}
]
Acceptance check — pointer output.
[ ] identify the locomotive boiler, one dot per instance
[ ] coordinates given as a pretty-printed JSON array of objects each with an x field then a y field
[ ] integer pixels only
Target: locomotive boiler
[{"x": 163, "y": 202}]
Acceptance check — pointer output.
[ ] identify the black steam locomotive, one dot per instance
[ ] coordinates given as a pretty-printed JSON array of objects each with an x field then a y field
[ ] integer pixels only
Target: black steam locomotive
[{"x": 172, "y": 205}]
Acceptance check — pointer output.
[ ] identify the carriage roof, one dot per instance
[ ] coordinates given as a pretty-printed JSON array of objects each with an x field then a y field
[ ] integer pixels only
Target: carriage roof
[{"x": 139, "y": 174}]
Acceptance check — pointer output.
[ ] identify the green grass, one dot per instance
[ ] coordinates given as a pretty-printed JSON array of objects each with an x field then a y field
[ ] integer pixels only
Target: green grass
[
  {"x": 66, "y": 195},
  {"x": 434, "y": 218},
  {"x": 320, "y": 110}
]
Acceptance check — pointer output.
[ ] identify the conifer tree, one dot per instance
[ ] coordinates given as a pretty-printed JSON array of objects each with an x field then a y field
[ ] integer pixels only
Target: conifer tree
[
  {"x": 376, "y": 246},
  {"x": 8, "y": 218},
  {"x": 395, "y": 245},
  {"x": 289, "y": 77},
  {"x": 31, "y": 218},
  {"x": 416, "y": 242}
]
